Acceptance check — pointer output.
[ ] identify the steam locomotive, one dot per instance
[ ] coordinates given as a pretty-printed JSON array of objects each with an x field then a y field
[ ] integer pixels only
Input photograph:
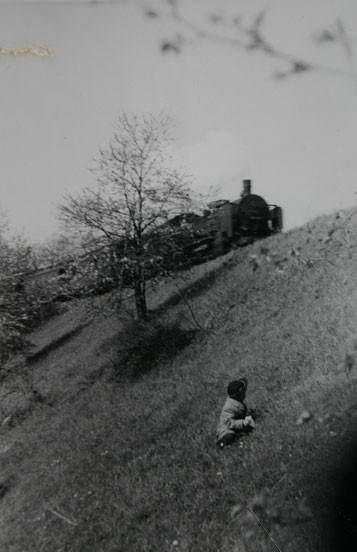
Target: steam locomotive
[{"x": 230, "y": 224}]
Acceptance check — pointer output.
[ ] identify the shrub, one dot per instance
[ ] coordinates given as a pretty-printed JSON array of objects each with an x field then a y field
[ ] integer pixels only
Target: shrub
[{"x": 146, "y": 344}]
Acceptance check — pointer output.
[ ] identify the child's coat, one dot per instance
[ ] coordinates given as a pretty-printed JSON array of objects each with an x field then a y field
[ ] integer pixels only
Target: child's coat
[{"x": 231, "y": 418}]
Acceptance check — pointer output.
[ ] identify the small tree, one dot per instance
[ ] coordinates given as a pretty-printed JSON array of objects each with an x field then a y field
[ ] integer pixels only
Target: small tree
[{"x": 137, "y": 192}]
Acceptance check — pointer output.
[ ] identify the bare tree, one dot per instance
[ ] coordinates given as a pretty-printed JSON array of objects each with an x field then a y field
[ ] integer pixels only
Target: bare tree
[{"x": 136, "y": 193}]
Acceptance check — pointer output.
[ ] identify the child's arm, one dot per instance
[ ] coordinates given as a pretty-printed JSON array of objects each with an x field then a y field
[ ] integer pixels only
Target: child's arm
[{"x": 241, "y": 424}]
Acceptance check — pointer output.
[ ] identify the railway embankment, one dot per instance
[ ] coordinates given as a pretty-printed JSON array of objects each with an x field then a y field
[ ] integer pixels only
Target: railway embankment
[{"x": 109, "y": 442}]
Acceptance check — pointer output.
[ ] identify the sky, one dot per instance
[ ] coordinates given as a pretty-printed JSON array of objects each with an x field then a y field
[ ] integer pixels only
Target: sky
[{"x": 295, "y": 137}]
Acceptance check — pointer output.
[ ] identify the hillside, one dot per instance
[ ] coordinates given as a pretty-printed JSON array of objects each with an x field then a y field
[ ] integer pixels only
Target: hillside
[{"x": 108, "y": 428}]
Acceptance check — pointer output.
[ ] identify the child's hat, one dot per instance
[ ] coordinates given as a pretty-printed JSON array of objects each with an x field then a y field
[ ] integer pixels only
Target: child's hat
[{"x": 237, "y": 386}]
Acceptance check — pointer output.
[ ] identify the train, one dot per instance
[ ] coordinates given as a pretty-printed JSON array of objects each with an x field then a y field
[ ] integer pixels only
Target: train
[
  {"x": 224, "y": 225},
  {"x": 231, "y": 224}
]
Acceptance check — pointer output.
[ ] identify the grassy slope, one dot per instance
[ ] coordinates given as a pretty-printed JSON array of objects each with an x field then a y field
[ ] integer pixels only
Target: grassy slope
[{"x": 117, "y": 452}]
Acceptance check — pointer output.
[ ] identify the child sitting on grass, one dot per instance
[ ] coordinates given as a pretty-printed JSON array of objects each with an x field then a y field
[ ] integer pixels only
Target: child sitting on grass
[{"x": 234, "y": 419}]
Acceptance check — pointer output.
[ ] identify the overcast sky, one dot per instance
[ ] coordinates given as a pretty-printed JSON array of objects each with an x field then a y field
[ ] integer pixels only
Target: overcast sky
[{"x": 294, "y": 137}]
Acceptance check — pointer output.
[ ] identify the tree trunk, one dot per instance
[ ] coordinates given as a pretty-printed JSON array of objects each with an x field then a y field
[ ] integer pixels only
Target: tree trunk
[{"x": 140, "y": 300}]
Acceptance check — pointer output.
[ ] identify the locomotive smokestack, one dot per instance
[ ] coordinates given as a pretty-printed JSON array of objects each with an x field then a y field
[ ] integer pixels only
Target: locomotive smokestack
[{"x": 247, "y": 184}]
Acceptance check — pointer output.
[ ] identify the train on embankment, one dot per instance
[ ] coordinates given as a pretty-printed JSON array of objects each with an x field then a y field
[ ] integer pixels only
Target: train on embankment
[
  {"x": 229, "y": 224},
  {"x": 224, "y": 225}
]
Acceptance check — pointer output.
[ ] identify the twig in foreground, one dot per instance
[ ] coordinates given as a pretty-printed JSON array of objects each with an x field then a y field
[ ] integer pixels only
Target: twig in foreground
[
  {"x": 61, "y": 516},
  {"x": 262, "y": 526}
]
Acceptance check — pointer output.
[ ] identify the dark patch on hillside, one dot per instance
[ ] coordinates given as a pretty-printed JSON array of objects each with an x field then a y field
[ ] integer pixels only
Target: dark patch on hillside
[
  {"x": 147, "y": 344},
  {"x": 42, "y": 352}
]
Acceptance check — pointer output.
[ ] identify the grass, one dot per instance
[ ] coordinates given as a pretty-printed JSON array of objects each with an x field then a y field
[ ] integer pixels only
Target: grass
[{"x": 120, "y": 455}]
